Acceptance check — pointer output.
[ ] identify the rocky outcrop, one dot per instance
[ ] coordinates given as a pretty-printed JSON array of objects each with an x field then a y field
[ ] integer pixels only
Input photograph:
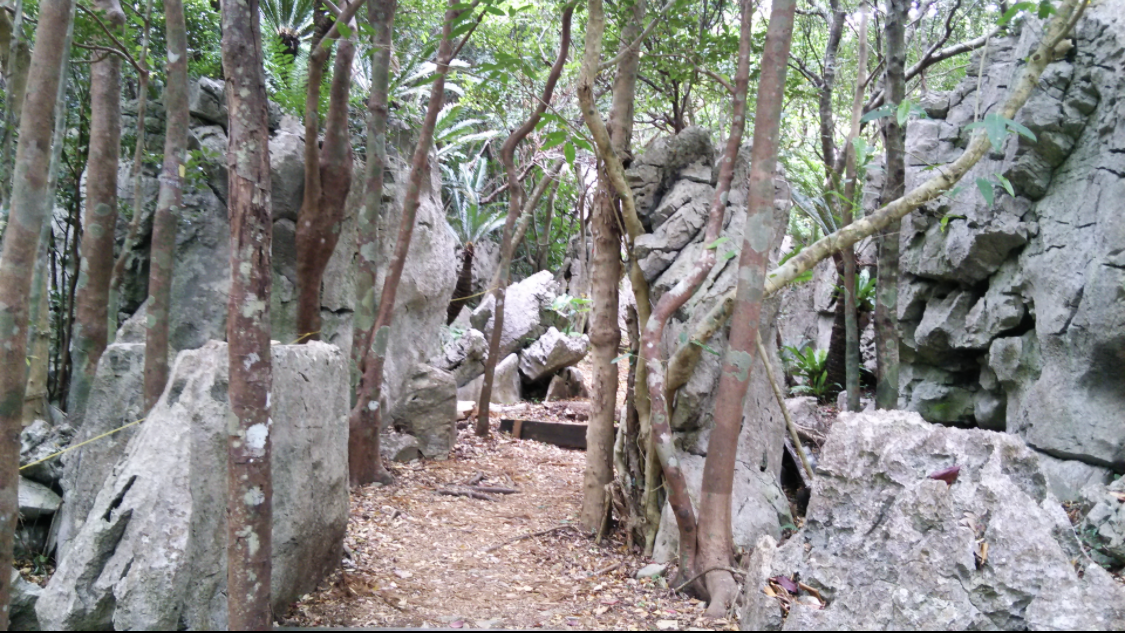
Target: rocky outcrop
[
  {"x": 888, "y": 547},
  {"x": 154, "y": 558},
  {"x": 551, "y": 353},
  {"x": 24, "y": 596},
  {"x": 428, "y": 411},
  {"x": 507, "y": 388},
  {"x": 38, "y": 441},
  {"x": 1105, "y": 522},
  {"x": 673, "y": 184},
  {"x": 1012, "y": 313},
  {"x": 568, "y": 384},
  {"x": 527, "y": 312}
]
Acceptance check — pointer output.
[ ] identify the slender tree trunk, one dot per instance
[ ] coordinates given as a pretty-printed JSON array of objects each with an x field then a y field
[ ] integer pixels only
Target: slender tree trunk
[
  {"x": 249, "y": 480},
  {"x": 550, "y": 178},
  {"x": 364, "y": 462},
  {"x": 886, "y": 297},
  {"x": 515, "y": 205},
  {"x": 381, "y": 17},
  {"x": 90, "y": 324},
  {"x": 828, "y": 84},
  {"x": 328, "y": 178},
  {"x": 543, "y": 243},
  {"x": 16, "y": 63},
  {"x": 715, "y": 540},
  {"x": 464, "y": 288},
  {"x": 117, "y": 277},
  {"x": 168, "y": 204},
  {"x": 30, "y": 207},
  {"x": 851, "y": 355}
]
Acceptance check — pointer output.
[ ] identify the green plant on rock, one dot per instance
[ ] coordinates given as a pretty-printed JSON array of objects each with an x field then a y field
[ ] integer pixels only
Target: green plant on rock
[
  {"x": 811, "y": 366},
  {"x": 568, "y": 308},
  {"x": 470, "y": 222}
]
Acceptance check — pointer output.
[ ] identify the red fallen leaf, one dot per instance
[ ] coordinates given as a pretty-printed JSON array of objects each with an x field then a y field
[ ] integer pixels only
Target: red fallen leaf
[
  {"x": 948, "y": 475},
  {"x": 456, "y": 624},
  {"x": 785, "y": 583}
]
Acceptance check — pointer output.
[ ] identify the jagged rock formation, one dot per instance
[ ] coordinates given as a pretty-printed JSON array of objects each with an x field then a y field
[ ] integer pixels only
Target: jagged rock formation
[
  {"x": 151, "y": 555},
  {"x": 1013, "y": 314},
  {"x": 889, "y": 548},
  {"x": 672, "y": 182}
]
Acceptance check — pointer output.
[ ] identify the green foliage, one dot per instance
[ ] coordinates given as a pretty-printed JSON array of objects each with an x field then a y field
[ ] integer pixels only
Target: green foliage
[
  {"x": 469, "y": 221},
  {"x": 811, "y": 366},
  {"x": 568, "y": 308},
  {"x": 865, "y": 286}
]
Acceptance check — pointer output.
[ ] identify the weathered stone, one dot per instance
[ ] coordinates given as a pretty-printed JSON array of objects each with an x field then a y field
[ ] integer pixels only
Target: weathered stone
[
  {"x": 399, "y": 447},
  {"x": 1067, "y": 477},
  {"x": 154, "y": 559},
  {"x": 38, "y": 442},
  {"x": 652, "y": 570},
  {"x": 660, "y": 165},
  {"x": 464, "y": 354},
  {"x": 568, "y": 384},
  {"x": 1106, "y": 520},
  {"x": 37, "y": 500},
  {"x": 206, "y": 100},
  {"x": 22, "y": 616},
  {"x": 527, "y": 313},
  {"x": 428, "y": 411},
  {"x": 553, "y": 351},
  {"x": 116, "y": 399},
  {"x": 890, "y": 548},
  {"x": 506, "y": 383}
]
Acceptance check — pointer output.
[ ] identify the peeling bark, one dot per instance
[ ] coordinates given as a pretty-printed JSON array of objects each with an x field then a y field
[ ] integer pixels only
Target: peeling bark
[
  {"x": 168, "y": 204},
  {"x": 715, "y": 540},
  {"x": 91, "y": 326},
  {"x": 364, "y": 462},
  {"x": 249, "y": 480},
  {"x": 515, "y": 204},
  {"x": 30, "y": 207}
]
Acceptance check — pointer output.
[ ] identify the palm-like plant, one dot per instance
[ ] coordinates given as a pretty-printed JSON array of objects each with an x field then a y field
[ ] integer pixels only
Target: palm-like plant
[
  {"x": 469, "y": 221},
  {"x": 291, "y": 21}
]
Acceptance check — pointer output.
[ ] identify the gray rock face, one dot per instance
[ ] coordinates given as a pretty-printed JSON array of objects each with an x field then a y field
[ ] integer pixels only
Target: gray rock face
[
  {"x": 24, "y": 596},
  {"x": 428, "y": 411},
  {"x": 155, "y": 556},
  {"x": 552, "y": 352},
  {"x": 38, "y": 441},
  {"x": 116, "y": 399},
  {"x": 1106, "y": 520},
  {"x": 672, "y": 183},
  {"x": 1013, "y": 318},
  {"x": 464, "y": 355},
  {"x": 506, "y": 383},
  {"x": 527, "y": 313},
  {"x": 37, "y": 500},
  {"x": 568, "y": 384},
  {"x": 889, "y": 548}
]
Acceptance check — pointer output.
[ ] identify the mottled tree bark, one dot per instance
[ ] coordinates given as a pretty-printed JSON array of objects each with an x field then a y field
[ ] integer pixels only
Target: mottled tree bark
[
  {"x": 16, "y": 52},
  {"x": 364, "y": 463},
  {"x": 30, "y": 207},
  {"x": 249, "y": 480},
  {"x": 381, "y": 17},
  {"x": 168, "y": 203},
  {"x": 328, "y": 176},
  {"x": 515, "y": 205},
  {"x": 851, "y": 321},
  {"x": 886, "y": 295},
  {"x": 715, "y": 540},
  {"x": 91, "y": 326},
  {"x": 828, "y": 84}
]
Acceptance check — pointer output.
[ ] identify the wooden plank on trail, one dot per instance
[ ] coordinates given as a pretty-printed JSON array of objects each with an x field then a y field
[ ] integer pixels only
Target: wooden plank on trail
[{"x": 557, "y": 433}]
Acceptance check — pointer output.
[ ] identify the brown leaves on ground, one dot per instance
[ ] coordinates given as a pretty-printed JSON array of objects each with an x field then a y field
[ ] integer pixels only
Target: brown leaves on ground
[{"x": 418, "y": 558}]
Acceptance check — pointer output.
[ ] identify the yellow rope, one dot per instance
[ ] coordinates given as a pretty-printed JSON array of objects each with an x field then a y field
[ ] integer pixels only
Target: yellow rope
[
  {"x": 303, "y": 337},
  {"x": 81, "y": 444},
  {"x": 463, "y": 299}
]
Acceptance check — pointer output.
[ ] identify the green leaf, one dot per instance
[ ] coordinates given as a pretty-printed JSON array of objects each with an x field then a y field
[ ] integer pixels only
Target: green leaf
[
  {"x": 997, "y": 129},
  {"x": 717, "y": 243},
  {"x": 568, "y": 152},
  {"x": 494, "y": 10},
  {"x": 706, "y": 348},
  {"x": 1011, "y": 13},
  {"x": 728, "y": 255},
  {"x": 1045, "y": 9},
  {"x": 1006, "y": 184},
  {"x": 903, "y": 113},
  {"x": 860, "y": 150},
  {"x": 1021, "y": 130},
  {"x": 554, "y": 139},
  {"x": 344, "y": 29},
  {"x": 877, "y": 113},
  {"x": 985, "y": 186}
]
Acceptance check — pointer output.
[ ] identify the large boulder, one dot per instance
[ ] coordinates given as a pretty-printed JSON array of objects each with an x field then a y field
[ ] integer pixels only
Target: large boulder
[
  {"x": 155, "y": 556},
  {"x": 428, "y": 412},
  {"x": 527, "y": 312},
  {"x": 24, "y": 596},
  {"x": 506, "y": 383},
  {"x": 889, "y": 547},
  {"x": 38, "y": 442},
  {"x": 1105, "y": 523},
  {"x": 36, "y": 500},
  {"x": 1012, "y": 314},
  {"x": 552, "y": 352}
]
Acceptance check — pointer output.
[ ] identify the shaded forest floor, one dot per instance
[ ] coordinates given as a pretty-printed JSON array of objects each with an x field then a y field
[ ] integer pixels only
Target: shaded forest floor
[{"x": 419, "y": 558}]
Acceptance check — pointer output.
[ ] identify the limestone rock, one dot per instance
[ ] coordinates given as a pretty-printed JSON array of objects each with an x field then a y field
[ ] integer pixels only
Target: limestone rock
[
  {"x": 154, "y": 559},
  {"x": 38, "y": 441},
  {"x": 527, "y": 313},
  {"x": 1107, "y": 518},
  {"x": 24, "y": 596},
  {"x": 552, "y": 352},
  {"x": 399, "y": 447},
  {"x": 37, "y": 500},
  {"x": 428, "y": 411},
  {"x": 506, "y": 383},
  {"x": 568, "y": 384},
  {"x": 1067, "y": 478},
  {"x": 890, "y": 548},
  {"x": 463, "y": 354}
]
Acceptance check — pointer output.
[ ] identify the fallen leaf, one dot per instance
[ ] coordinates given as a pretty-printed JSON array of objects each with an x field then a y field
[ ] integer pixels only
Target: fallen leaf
[
  {"x": 786, "y": 583},
  {"x": 948, "y": 475}
]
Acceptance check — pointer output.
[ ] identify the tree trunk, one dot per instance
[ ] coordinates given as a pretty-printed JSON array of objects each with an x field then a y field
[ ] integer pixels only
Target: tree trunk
[
  {"x": 715, "y": 540},
  {"x": 381, "y": 17},
  {"x": 543, "y": 243},
  {"x": 886, "y": 298},
  {"x": 364, "y": 462},
  {"x": 464, "y": 288},
  {"x": 828, "y": 83},
  {"x": 328, "y": 177},
  {"x": 16, "y": 63},
  {"x": 851, "y": 323},
  {"x": 168, "y": 204},
  {"x": 90, "y": 324},
  {"x": 30, "y": 207},
  {"x": 515, "y": 199},
  {"x": 249, "y": 480}
]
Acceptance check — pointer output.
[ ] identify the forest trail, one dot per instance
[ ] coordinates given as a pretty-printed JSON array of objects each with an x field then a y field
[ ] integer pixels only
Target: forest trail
[{"x": 422, "y": 559}]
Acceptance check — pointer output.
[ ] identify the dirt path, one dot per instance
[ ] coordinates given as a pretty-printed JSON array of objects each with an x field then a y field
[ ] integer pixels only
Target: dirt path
[{"x": 419, "y": 558}]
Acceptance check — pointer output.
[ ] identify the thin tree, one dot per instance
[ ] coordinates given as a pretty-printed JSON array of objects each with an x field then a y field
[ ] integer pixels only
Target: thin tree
[
  {"x": 168, "y": 203},
  {"x": 328, "y": 172},
  {"x": 91, "y": 324},
  {"x": 30, "y": 206},
  {"x": 249, "y": 480},
  {"x": 886, "y": 292},
  {"x": 365, "y": 465},
  {"x": 515, "y": 204}
]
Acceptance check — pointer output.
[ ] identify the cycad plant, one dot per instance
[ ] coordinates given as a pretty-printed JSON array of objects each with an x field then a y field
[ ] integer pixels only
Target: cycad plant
[
  {"x": 291, "y": 21},
  {"x": 469, "y": 220}
]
